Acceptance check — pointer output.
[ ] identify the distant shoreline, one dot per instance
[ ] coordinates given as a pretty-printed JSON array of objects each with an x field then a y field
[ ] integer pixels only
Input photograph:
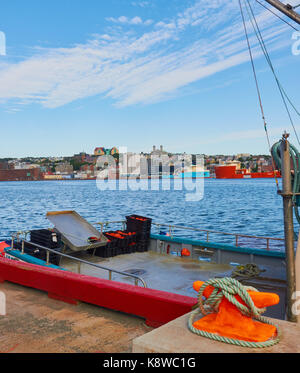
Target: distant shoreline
[{"x": 123, "y": 178}]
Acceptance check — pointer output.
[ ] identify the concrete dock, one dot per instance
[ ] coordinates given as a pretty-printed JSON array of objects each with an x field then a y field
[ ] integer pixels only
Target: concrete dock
[
  {"x": 35, "y": 323},
  {"x": 175, "y": 337}
]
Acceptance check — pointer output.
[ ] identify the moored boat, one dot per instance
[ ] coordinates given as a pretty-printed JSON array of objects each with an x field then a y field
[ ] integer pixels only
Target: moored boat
[
  {"x": 231, "y": 172},
  {"x": 167, "y": 258}
]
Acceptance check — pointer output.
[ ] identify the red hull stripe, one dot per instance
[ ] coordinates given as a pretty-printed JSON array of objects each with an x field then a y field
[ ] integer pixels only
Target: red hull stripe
[{"x": 157, "y": 307}]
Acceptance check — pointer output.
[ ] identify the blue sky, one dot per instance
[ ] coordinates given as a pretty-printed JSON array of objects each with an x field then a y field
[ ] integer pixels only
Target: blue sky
[{"x": 136, "y": 73}]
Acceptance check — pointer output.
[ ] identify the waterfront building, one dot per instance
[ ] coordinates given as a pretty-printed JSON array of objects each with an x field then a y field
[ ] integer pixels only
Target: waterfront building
[
  {"x": 103, "y": 151},
  {"x": 64, "y": 167}
]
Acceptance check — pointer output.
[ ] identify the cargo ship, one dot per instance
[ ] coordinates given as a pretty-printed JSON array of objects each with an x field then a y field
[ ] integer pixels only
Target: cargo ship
[{"x": 231, "y": 172}]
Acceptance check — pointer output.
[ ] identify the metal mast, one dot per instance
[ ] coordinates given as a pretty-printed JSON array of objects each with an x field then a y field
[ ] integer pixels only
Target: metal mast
[{"x": 286, "y": 9}]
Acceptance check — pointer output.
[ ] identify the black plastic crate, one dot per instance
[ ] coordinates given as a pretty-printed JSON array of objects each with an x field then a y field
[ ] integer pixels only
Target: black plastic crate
[
  {"x": 129, "y": 237},
  {"x": 114, "y": 241},
  {"x": 120, "y": 242},
  {"x": 132, "y": 248},
  {"x": 137, "y": 223},
  {"x": 139, "y": 218},
  {"x": 133, "y": 226},
  {"x": 106, "y": 251},
  {"x": 39, "y": 253},
  {"x": 28, "y": 249},
  {"x": 132, "y": 237},
  {"x": 46, "y": 237},
  {"x": 142, "y": 246},
  {"x": 102, "y": 252}
]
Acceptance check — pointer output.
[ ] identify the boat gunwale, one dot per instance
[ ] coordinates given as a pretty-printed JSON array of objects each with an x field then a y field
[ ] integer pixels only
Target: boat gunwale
[{"x": 218, "y": 246}]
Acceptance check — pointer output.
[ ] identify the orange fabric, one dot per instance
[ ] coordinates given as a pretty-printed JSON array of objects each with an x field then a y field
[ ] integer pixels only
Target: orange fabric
[
  {"x": 185, "y": 252},
  {"x": 115, "y": 235},
  {"x": 136, "y": 218},
  {"x": 3, "y": 245},
  {"x": 230, "y": 322},
  {"x": 126, "y": 233}
]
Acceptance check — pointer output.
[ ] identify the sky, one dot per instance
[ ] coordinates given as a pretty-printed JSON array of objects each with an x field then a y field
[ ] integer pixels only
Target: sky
[{"x": 78, "y": 74}]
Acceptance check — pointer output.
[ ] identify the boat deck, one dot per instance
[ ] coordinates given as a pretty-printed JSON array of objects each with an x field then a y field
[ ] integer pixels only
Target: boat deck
[
  {"x": 160, "y": 271},
  {"x": 35, "y": 323},
  {"x": 176, "y": 274}
]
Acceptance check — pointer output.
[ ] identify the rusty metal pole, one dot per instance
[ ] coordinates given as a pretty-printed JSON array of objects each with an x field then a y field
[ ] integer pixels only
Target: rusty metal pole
[
  {"x": 288, "y": 224},
  {"x": 286, "y": 9}
]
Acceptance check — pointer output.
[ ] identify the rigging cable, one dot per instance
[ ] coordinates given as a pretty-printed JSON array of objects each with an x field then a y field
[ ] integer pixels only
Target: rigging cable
[
  {"x": 267, "y": 56},
  {"x": 258, "y": 90},
  {"x": 275, "y": 150}
]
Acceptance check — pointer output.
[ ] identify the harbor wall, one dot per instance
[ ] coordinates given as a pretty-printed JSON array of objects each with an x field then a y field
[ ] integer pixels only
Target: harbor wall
[{"x": 21, "y": 175}]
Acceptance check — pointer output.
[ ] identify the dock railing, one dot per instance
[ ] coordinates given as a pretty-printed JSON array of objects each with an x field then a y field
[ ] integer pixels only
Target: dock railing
[
  {"x": 266, "y": 243},
  {"x": 17, "y": 235},
  {"x": 208, "y": 233}
]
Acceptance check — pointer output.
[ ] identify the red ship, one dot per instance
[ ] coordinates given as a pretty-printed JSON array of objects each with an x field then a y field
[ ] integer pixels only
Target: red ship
[{"x": 231, "y": 172}]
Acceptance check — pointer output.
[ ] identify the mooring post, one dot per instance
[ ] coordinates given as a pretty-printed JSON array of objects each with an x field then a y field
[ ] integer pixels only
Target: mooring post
[{"x": 288, "y": 224}]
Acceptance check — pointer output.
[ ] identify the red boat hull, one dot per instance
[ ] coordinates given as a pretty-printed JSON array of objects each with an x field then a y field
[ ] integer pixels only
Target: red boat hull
[{"x": 230, "y": 172}]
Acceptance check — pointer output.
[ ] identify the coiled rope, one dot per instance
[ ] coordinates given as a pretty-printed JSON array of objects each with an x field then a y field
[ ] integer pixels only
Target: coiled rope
[
  {"x": 247, "y": 271},
  {"x": 229, "y": 287},
  {"x": 295, "y": 157}
]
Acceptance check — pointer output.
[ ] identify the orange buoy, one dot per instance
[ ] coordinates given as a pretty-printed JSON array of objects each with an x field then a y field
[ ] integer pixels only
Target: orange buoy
[{"x": 185, "y": 252}]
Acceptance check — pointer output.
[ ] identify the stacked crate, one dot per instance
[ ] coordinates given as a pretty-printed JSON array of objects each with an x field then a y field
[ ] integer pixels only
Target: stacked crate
[
  {"x": 142, "y": 226},
  {"x": 119, "y": 242},
  {"x": 47, "y": 238},
  {"x": 135, "y": 238},
  {"x": 106, "y": 251}
]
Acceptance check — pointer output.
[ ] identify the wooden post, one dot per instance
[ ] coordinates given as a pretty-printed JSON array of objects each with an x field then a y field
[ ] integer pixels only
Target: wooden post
[
  {"x": 297, "y": 270},
  {"x": 288, "y": 224}
]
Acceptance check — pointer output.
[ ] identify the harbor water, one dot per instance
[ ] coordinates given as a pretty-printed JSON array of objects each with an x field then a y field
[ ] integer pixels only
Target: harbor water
[{"x": 238, "y": 206}]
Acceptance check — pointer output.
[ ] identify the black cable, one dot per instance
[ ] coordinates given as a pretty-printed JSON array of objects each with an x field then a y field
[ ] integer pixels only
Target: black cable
[
  {"x": 267, "y": 56},
  {"x": 257, "y": 89}
]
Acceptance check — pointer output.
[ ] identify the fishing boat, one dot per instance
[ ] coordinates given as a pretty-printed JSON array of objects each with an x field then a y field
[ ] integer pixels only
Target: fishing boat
[
  {"x": 134, "y": 266},
  {"x": 149, "y": 254}
]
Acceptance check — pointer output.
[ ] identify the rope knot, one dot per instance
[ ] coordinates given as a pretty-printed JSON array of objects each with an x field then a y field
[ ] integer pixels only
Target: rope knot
[{"x": 228, "y": 287}]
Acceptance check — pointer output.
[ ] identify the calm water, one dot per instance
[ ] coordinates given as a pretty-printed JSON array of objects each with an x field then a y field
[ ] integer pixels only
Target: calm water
[{"x": 242, "y": 206}]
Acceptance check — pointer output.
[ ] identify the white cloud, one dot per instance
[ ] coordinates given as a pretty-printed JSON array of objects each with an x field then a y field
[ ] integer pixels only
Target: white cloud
[
  {"x": 136, "y": 20},
  {"x": 130, "y": 21},
  {"x": 142, "y": 4},
  {"x": 139, "y": 67}
]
